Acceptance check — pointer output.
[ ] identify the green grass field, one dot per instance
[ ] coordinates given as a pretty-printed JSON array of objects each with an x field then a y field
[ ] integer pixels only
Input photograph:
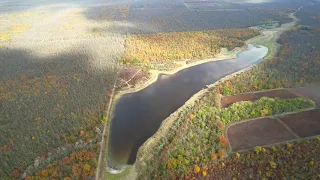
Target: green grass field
[{"x": 268, "y": 42}]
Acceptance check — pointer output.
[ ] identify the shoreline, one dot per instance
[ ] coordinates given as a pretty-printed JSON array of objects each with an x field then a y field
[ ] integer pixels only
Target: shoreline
[
  {"x": 166, "y": 124},
  {"x": 155, "y": 73},
  {"x": 153, "y": 78},
  {"x": 264, "y": 33},
  {"x": 144, "y": 152}
]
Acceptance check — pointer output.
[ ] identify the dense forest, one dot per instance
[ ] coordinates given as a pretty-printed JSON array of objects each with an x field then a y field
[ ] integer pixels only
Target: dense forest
[
  {"x": 144, "y": 48},
  {"x": 55, "y": 84},
  {"x": 56, "y": 79},
  {"x": 297, "y": 64},
  {"x": 298, "y": 160},
  {"x": 173, "y": 16},
  {"x": 48, "y": 108},
  {"x": 198, "y": 135},
  {"x": 77, "y": 165},
  {"x": 180, "y": 18},
  {"x": 109, "y": 13}
]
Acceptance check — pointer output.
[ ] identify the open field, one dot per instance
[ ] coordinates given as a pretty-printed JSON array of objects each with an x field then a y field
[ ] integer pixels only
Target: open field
[
  {"x": 310, "y": 92},
  {"x": 272, "y": 130},
  {"x": 268, "y": 39},
  {"x": 257, "y": 132}
]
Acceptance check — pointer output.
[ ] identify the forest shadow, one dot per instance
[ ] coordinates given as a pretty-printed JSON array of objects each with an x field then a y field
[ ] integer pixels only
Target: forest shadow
[
  {"x": 116, "y": 15},
  {"x": 175, "y": 17},
  {"x": 42, "y": 98},
  {"x": 74, "y": 69},
  {"x": 17, "y": 62}
]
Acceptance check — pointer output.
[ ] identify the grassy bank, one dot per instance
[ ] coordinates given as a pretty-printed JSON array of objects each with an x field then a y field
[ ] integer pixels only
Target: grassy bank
[{"x": 269, "y": 42}]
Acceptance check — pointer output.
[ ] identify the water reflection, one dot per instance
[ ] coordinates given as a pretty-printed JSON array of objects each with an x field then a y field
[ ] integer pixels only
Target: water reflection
[{"x": 138, "y": 116}]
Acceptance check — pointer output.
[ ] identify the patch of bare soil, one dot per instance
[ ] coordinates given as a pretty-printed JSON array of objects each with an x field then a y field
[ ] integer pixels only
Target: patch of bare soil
[
  {"x": 278, "y": 93},
  {"x": 228, "y": 100},
  {"x": 281, "y": 93},
  {"x": 308, "y": 92},
  {"x": 305, "y": 123},
  {"x": 258, "y": 132}
]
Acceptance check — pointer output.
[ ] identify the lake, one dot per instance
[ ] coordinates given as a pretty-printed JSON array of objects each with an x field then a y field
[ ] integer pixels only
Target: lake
[{"x": 138, "y": 116}]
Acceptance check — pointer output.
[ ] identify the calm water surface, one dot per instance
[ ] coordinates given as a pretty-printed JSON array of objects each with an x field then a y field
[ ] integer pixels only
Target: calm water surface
[{"x": 138, "y": 115}]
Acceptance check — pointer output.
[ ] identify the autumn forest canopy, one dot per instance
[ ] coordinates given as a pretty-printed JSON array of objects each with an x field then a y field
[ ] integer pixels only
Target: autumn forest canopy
[
  {"x": 183, "y": 45},
  {"x": 65, "y": 65}
]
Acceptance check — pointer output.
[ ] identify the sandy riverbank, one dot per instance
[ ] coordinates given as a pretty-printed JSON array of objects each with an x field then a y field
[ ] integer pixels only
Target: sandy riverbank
[
  {"x": 266, "y": 35},
  {"x": 183, "y": 65}
]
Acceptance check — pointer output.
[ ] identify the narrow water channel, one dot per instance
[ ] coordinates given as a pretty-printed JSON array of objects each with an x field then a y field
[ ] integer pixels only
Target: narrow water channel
[{"x": 137, "y": 116}]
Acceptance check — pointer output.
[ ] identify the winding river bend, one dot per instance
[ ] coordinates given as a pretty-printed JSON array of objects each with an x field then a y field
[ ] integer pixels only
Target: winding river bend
[{"x": 138, "y": 115}]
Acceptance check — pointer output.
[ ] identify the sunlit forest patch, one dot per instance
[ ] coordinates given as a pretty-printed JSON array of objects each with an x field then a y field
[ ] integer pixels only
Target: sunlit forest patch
[
  {"x": 144, "y": 48},
  {"x": 55, "y": 85},
  {"x": 109, "y": 13},
  {"x": 12, "y": 30}
]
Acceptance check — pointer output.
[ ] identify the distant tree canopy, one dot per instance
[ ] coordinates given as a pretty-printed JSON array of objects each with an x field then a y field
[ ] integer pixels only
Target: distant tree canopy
[
  {"x": 183, "y": 45},
  {"x": 296, "y": 65}
]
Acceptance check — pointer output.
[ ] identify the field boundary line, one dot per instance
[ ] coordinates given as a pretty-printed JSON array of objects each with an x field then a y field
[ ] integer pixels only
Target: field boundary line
[{"x": 287, "y": 127}]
